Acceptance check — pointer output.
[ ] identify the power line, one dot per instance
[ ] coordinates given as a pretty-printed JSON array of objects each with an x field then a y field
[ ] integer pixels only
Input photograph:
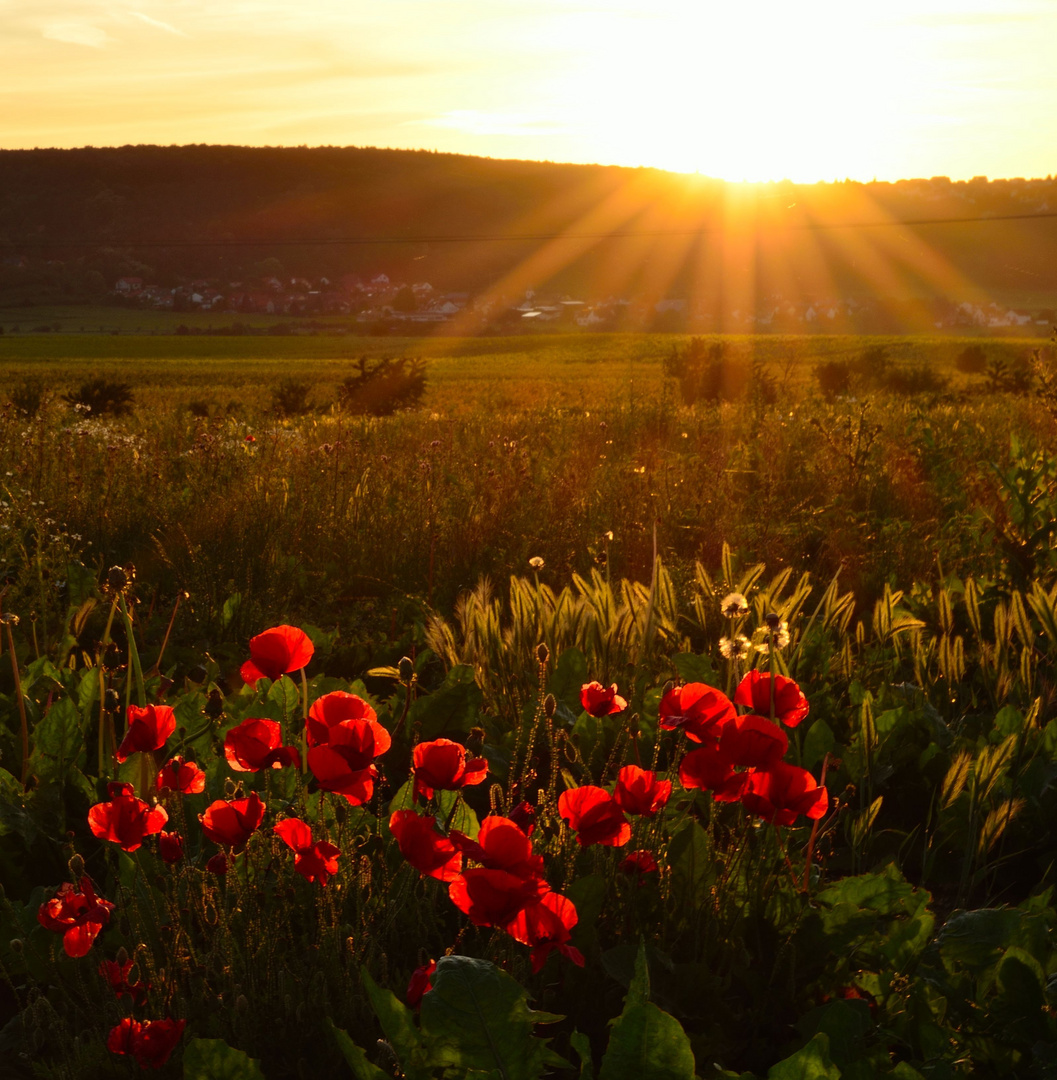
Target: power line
[{"x": 354, "y": 241}]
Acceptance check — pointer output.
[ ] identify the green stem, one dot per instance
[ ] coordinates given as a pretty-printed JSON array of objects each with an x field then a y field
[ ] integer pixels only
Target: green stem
[{"x": 135, "y": 669}]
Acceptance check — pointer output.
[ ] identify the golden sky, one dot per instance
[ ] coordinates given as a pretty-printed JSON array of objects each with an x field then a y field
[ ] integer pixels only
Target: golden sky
[{"x": 754, "y": 89}]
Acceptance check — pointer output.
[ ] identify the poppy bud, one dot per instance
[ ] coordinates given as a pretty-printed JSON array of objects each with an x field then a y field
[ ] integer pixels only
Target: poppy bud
[
  {"x": 218, "y": 864},
  {"x": 542, "y": 652},
  {"x": 16, "y": 945},
  {"x": 406, "y": 667},
  {"x": 229, "y": 788},
  {"x": 76, "y": 865},
  {"x": 214, "y": 704},
  {"x": 772, "y": 620},
  {"x": 122, "y": 956},
  {"x": 549, "y": 705},
  {"x": 111, "y": 700}
]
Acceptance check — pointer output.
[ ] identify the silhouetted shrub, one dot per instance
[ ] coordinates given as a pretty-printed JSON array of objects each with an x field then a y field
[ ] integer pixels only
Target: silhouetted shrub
[
  {"x": 101, "y": 397},
  {"x": 705, "y": 372},
  {"x": 29, "y": 396},
  {"x": 915, "y": 380},
  {"x": 834, "y": 378},
  {"x": 1008, "y": 377},
  {"x": 384, "y": 386},
  {"x": 972, "y": 360},
  {"x": 290, "y": 398}
]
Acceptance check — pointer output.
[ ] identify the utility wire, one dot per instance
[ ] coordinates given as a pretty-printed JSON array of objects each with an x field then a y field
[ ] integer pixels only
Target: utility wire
[{"x": 352, "y": 241}]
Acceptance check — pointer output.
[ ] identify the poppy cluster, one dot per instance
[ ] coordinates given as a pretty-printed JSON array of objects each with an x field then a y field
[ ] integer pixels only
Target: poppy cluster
[
  {"x": 78, "y": 914},
  {"x": 150, "y": 1042},
  {"x": 344, "y": 738}
]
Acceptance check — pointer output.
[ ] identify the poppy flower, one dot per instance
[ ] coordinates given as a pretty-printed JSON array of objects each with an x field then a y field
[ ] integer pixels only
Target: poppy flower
[
  {"x": 231, "y": 824},
  {"x": 150, "y": 1042},
  {"x": 442, "y": 765},
  {"x": 546, "y": 926},
  {"x": 753, "y": 742},
  {"x": 639, "y": 863},
  {"x": 782, "y": 793},
  {"x": 275, "y": 653},
  {"x": 78, "y": 916},
  {"x": 313, "y": 861},
  {"x": 638, "y": 791},
  {"x": 790, "y": 705},
  {"x": 600, "y": 701},
  {"x": 171, "y": 847},
  {"x": 711, "y": 770},
  {"x": 699, "y": 710},
  {"x": 501, "y": 845},
  {"x": 116, "y": 974},
  {"x": 256, "y": 744},
  {"x": 493, "y": 897},
  {"x": 218, "y": 864},
  {"x": 182, "y": 776},
  {"x": 595, "y": 816},
  {"x": 148, "y": 729},
  {"x": 339, "y": 707},
  {"x": 124, "y": 819},
  {"x": 423, "y": 847},
  {"x": 420, "y": 983}
]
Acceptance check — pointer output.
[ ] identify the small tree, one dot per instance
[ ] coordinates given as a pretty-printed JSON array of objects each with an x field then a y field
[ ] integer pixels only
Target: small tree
[
  {"x": 384, "y": 386},
  {"x": 972, "y": 360},
  {"x": 290, "y": 398}
]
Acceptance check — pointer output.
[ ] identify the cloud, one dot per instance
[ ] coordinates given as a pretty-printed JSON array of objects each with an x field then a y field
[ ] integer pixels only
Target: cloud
[
  {"x": 76, "y": 33},
  {"x": 167, "y": 27}
]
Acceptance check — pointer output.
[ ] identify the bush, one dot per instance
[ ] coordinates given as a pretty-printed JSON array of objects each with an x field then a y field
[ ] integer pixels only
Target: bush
[
  {"x": 972, "y": 360},
  {"x": 290, "y": 398},
  {"x": 834, "y": 378},
  {"x": 1006, "y": 377},
  {"x": 101, "y": 397},
  {"x": 382, "y": 387},
  {"x": 28, "y": 396},
  {"x": 706, "y": 373},
  {"x": 915, "y": 380}
]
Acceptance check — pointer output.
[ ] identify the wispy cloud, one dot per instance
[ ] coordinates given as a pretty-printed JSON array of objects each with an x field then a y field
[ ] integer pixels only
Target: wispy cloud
[
  {"x": 76, "y": 33},
  {"x": 167, "y": 27}
]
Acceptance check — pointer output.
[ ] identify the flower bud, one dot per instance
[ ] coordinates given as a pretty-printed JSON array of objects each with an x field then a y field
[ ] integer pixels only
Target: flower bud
[
  {"x": 214, "y": 704},
  {"x": 549, "y": 705},
  {"x": 17, "y": 945},
  {"x": 772, "y": 620},
  {"x": 76, "y": 865},
  {"x": 542, "y": 652},
  {"x": 406, "y": 667}
]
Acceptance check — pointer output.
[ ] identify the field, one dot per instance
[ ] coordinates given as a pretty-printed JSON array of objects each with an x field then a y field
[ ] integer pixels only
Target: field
[{"x": 847, "y": 872}]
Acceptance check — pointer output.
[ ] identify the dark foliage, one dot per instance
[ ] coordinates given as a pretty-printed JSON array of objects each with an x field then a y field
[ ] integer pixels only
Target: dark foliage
[
  {"x": 102, "y": 397},
  {"x": 972, "y": 360},
  {"x": 290, "y": 398},
  {"x": 834, "y": 378},
  {"x": 383, "y": 386},
  {"x": 29, "y": 396},
  {"x": 706, "y": 373}
]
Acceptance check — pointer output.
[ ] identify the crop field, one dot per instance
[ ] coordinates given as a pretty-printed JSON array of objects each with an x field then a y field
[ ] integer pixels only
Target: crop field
[{"x": 626, "y": 706}]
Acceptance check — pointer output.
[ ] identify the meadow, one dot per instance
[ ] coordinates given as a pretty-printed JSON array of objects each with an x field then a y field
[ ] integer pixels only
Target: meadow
[{"x": 584, "y": 731}]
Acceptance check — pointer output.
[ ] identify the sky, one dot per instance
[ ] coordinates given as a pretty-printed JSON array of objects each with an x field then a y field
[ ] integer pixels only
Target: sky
[{"x": 804, "y": 90}]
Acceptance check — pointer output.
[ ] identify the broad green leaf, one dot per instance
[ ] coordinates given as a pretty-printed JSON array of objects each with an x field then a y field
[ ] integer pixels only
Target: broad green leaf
[
  {"x": 977, "y": 939},
  {"x": 582, "y": 1045},
  {"x": 694, "y": 668},
  {"x": 810, "y": 1062},
  {"x": 645, "y": 1040},
  {"x": 482, "y": 1017},
  {"x": 464, "y": 819},
  {"x": 570, "y": 674},
  {"x": 355, "y": 1057},
  {"x": 818, "y": 742},
  {"x": 844, "y": 1022},
  {"x": 286, "y": 697},
  {"x": 450, "y": 709},
  {"x": 396, "y": 1018},
  {"x": 60, "y": 734},
  {"x": 213, "y": 1059}
]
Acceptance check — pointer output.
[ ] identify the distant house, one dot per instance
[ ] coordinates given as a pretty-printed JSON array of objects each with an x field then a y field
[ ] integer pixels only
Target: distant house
[{"x": 128, "y": 286}]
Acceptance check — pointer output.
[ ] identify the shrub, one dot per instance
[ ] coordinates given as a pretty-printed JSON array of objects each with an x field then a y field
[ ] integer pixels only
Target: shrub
[
  {"x": 1008, "y": 377},
  {"x": 834, "y": 378},
  {"x": 290, "y": 398},
  {"x": 28, "y": 396},
  {"x": 972, "y": 360},
  {"x": 915, "y": 380},
  {"x": 101, "y": 397},
  {"x": 384, "y": 386},
  {"x": 705, "y": 372}
]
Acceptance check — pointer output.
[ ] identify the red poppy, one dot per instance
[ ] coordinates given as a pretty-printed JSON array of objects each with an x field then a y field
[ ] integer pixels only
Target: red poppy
[
  {"x": 256, "y": 744},
  {"x": 171, "y": 847},
  {"x": 638, "y": 791},
  {"x": 423, "y": 847},
  {"x": 124, "y": 819},
  {"x": 338, "y": 707},
  {"x": 524, "y": 817},
  {"x": 231, "y": 824},
  {"x": 545, "y": 926},
  {"x": 501, "y": 845},
  {"x": 595, "y": 816},
  {"x": 313, "y": 861},
  {"x": 782, "y": 793},
  {"x": 116, "y": 974},
  {"x": 698, "y": 709},
  {"x": 218, "y": 864},
  {"x": 78, "y": 916},
  {"x": 332, "y": 773},
  {"x": 442, "y": 765},
  {"x": 275, "y": 653},
  {"x": 150, "y": 1042},
  {"x": 182, "y": 776},
  {"x": 639, "y": 863},
  {"x": 493, "y": 897},
  {"x": 790, "y": 705},
  {"x": 710, "y": 769},
  {"x": 600, "y": 701},
  {"x": 148, "y": 729},
  {"x": 420, "y": 983},
  {"x": 753, "y": 742}
]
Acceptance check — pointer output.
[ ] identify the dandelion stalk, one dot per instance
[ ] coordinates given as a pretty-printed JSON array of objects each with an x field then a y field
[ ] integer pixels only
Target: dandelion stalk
[{"x": 8, "y": 620}]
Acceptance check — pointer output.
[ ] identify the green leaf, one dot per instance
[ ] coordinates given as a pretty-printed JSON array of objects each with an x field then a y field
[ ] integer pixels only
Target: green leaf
[
  {"x": 230, "y": 609},
  {"x": 285, "y": 695},
  {"x": 810, "y": 1062},
  {"x": 397, "y": 1020},
  {"x": 694, "y": 668},
  {"x": 570, "y": 674},
  {"x": 451, "y": 709},
  {"x": 818, "y": 742},
  {"x": 481, "y": 1016},
  {"x": 582, "y": 1045},
  {"x": 645, "y": 1040},
  {"x": 213, "y": 1059},
  {"x": 977, "y": 939},
  {"x": 465, "y": 820},
  {"x": 356, "y": 1058},
  {"x": 60, "y": 734},
  {"x": 692, "y": 864}
]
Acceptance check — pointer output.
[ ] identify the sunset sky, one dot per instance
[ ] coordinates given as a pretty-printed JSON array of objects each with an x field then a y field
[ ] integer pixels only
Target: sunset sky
[{"x": 761, "y": 89}]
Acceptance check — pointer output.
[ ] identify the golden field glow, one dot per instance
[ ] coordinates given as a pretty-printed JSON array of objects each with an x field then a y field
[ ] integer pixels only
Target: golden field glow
[{"x": 758, "y": 90}]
